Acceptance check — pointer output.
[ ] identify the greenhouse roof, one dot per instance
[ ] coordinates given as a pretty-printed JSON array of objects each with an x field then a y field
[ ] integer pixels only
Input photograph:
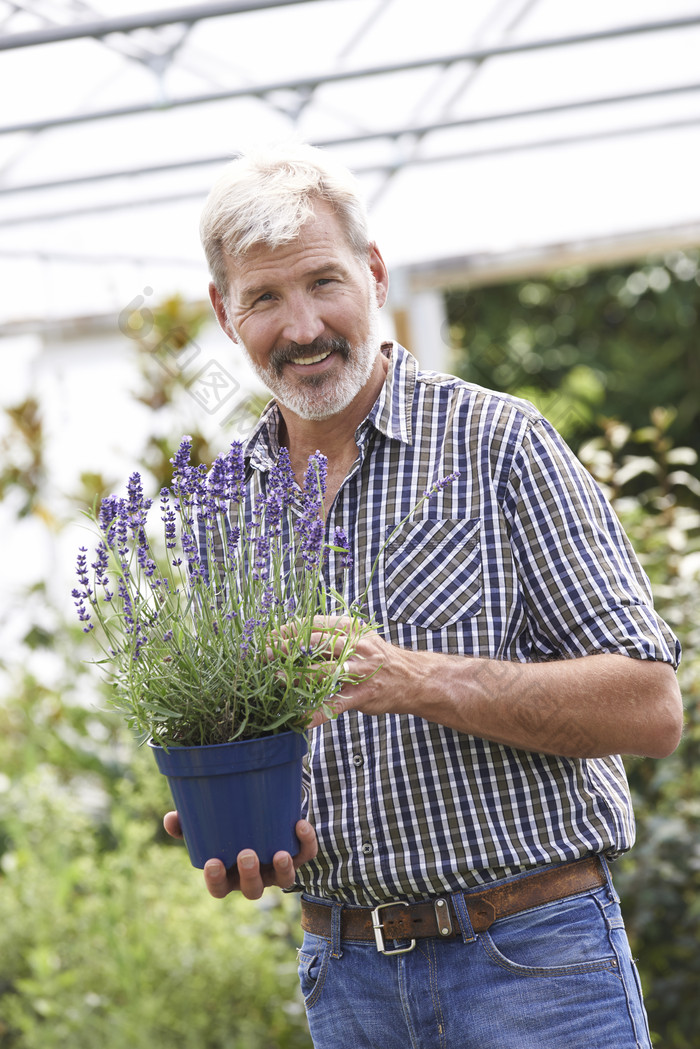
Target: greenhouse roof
[{"x": 489, "y": 130}]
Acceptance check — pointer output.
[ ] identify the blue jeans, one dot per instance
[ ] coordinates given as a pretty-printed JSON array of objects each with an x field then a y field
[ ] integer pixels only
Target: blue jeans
[{"x": 559, "y": 976}]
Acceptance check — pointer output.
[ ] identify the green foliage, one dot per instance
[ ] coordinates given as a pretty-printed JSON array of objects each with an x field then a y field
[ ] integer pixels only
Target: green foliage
[
  {"x": 109, "y": 938},
  {"x": 164, "y": 336},
  {"x": 610, "y": 357},
  {"x": 23, "y": 457},
  {"x": 582, "y": 345},
  {"x": 660, "y": 879}
]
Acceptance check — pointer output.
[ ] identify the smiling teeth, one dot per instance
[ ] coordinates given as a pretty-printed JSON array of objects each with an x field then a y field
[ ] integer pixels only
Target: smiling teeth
[{"x": 311, "y": 360}]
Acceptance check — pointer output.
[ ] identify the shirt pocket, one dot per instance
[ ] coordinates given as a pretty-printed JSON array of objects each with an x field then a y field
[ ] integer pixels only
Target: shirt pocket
[{"x": 432, "y": 572}]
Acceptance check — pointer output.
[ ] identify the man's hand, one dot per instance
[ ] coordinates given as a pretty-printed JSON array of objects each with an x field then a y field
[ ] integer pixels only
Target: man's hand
[
  {"x": 373, "y": 679},
  {"x": 589, "y": 707},
  {"x": 248, "y": 876}
]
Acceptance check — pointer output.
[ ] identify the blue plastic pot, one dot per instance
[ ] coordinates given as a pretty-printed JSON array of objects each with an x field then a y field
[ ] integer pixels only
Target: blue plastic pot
[{"x": 233, "y": 796}]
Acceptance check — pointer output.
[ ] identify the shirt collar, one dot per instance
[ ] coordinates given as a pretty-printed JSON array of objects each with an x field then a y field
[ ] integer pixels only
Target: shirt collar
[{"x": 391, "y": 413}]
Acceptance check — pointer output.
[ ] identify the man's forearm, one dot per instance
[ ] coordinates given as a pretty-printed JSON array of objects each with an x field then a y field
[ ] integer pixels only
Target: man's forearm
[{"x": 587, "y": 707}]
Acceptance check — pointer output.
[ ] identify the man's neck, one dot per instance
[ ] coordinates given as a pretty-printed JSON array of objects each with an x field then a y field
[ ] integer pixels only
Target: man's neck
[{"x": 333, "y": 436}]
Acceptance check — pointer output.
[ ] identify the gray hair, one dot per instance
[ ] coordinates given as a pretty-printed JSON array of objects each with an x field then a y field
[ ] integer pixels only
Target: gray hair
[{"x": 266, "y": 196}]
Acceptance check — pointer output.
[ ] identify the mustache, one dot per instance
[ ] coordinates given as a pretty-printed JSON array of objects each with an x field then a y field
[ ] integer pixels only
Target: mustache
[{"x": 323, "y": 344}]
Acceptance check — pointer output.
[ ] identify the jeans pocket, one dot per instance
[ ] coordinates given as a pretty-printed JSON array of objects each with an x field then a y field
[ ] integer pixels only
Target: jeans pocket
[
  {"x": 559, "y": 939},
  {"x": 313, "y": 958}
]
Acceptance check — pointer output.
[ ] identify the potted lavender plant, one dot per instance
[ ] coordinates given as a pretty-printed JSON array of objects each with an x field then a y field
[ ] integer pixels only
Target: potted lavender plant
[
  {"x": 188, "y": 640},
  {"x": 192, "y": 640}
]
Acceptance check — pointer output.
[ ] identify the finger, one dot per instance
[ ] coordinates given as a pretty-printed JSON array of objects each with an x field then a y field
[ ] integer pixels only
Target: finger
[
  {"x": 308, "y": 842},
  {"x": 319, "y": 718},
  {"x": 284, "y": 870},
  {"x": 171, "y": 822},
  {"x": 217, "y": 879},
  {"x": 250, "y": 879}
]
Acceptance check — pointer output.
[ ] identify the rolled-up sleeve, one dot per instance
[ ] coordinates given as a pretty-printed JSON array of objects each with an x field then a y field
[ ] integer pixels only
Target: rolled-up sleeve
[{"x": 583, "y": 585}]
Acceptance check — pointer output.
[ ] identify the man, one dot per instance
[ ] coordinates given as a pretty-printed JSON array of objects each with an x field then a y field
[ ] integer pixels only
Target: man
[{"x": 472, "y": 777}]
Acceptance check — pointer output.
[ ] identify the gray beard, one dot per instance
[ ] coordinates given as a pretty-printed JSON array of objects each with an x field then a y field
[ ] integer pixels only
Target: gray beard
[{"x": 321, "y": 396}]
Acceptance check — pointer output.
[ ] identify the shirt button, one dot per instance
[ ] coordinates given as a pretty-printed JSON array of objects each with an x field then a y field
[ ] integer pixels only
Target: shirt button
[
  {"x": 358, "y": 760},
  {"x": 367, "y": 848}
]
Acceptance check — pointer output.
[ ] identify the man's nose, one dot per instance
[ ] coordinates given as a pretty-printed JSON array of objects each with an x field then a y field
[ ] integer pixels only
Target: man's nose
[{"x": 302, "y": 321}]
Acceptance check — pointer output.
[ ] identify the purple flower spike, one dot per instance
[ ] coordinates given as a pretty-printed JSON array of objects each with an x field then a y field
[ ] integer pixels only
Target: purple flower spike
[
  {"x": 262, "y": 558},
  {"x": 312, "y": 544},
  {"x": 315, "y": 478},
  {"x": 282, "y": 481},
  {"x": 340, "y": 539},
  {"x": 247, "y": 635},
  {"x": 181, "y": 459},
  {"x": 442, "y": 483},
  {"x": 100, "y": 564},
  {"x": 169, "y": 518},
  {"x": 235, "y": 472},
  {"x": 109, "y": 509}
]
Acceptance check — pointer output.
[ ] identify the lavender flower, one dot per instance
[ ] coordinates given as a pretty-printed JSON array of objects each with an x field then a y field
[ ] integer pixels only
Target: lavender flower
[
  {"x": 191, "y": 552},
  {"x": 81, "y": 571},
  {"x": 83, "y": 614},
  {"x": 341, "y": 540},
  {"x": 168, "y": 517},
  {"x": 181, "y": 460},
  {"x": 261, "y": 569},
  {"x": 315, "y": 479},
  {"x": 101, "y": 563},
  {"x": 109, "y": 509},
  {"x": 442, "y": 483},
  {"x": 247, "y": 636},
  {"x": 232, "y": 539},
  {"x": 216, "y": 491},
  {"x": 281, "y": 479},
  {"x": 235, "y": 473},
  {"x": 312, "y": 545}
]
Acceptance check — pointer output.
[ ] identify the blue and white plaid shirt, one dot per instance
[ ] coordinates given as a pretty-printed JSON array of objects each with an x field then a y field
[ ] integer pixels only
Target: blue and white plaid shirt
[{"x": 519, "y": 559}]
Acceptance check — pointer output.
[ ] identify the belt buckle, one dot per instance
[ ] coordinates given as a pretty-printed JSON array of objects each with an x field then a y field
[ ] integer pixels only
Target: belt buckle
[{"x": 379, "y": 930}]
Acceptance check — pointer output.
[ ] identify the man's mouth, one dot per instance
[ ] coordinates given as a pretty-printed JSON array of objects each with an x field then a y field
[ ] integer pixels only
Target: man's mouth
[
  {"x": 311, "y": 360},
  {"x": 315, "y": 352}
]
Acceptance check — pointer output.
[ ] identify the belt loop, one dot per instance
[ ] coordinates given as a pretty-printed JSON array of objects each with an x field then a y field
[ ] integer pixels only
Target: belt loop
[
  {"x": 465, "y": 922},
  {"x": 336, "y": 915},
  {"x": 608, "y": 877}
]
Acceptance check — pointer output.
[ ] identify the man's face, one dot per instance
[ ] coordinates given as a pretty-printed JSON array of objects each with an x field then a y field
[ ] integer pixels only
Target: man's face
[{"x": 306, "y": 315}]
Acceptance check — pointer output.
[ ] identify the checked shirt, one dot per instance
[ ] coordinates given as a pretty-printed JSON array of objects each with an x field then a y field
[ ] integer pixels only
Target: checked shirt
[{"x": 521, "y": 558}]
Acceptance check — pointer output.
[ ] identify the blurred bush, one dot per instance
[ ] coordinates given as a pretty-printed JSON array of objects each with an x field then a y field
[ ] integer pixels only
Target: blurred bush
[
  {"x": 659, "y": 881},
  {"x": 610, "y": 357},
  {"x": 109, "y": 938}
]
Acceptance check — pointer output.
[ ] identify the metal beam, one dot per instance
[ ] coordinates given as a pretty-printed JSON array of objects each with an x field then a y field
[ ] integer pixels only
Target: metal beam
[
  {"x": 307, "y": 83},
  {"x": 367, "y": 136},
  {"x": 379, "y": 168},
  {"x": 128, "y": 23},
  {"x": 314, "y": 81},
  {"x": 197, "y": 12}
]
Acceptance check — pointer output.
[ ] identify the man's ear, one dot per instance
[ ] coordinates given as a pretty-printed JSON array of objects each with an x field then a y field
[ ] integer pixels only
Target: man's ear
[
  {"x": 221, "y": 312},
  {"x": 379, "y": 272}
]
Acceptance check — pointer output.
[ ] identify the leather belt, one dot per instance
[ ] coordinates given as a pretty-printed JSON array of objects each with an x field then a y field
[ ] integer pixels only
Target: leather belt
[{"x": 399, "y": 920}]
